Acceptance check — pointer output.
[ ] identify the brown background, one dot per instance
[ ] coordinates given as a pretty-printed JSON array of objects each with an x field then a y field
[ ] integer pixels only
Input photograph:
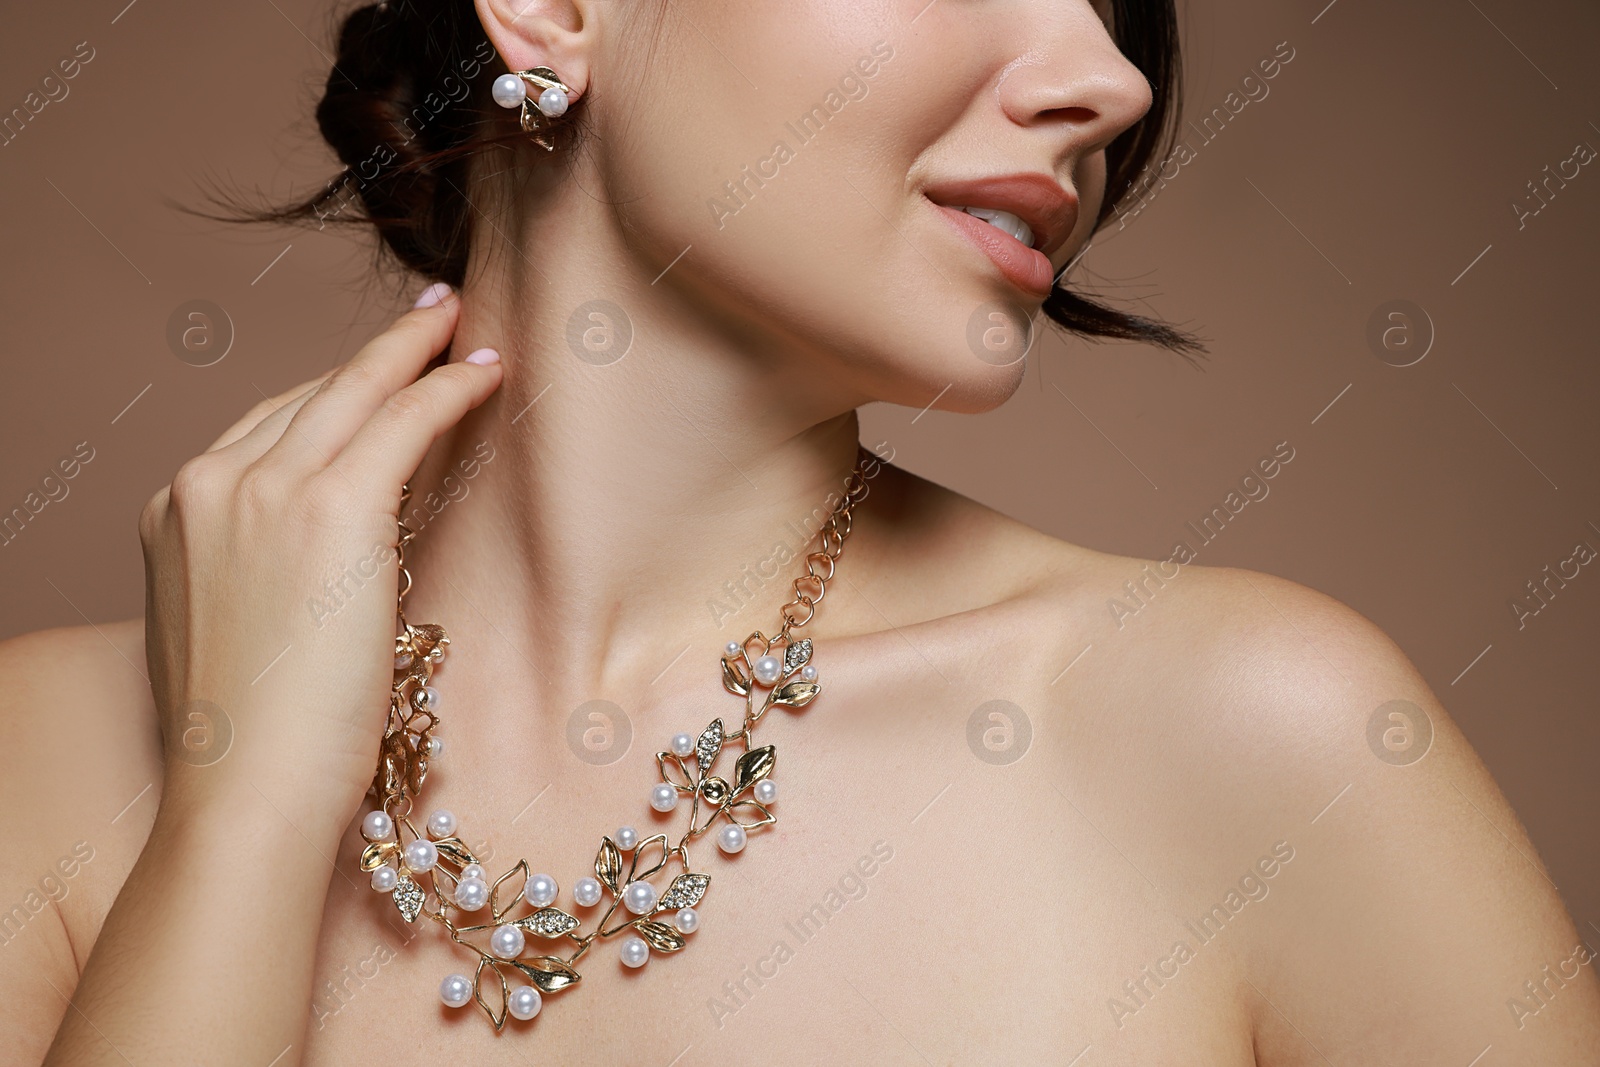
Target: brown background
[{"x": 1382, "y": 165}]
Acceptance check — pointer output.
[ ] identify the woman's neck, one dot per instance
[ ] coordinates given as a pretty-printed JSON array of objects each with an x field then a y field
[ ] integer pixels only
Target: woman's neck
[{"x": 594, "y": 518}]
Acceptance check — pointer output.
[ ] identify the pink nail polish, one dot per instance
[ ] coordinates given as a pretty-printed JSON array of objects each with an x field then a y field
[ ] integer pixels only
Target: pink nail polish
[
  {"x": 433, "y": 294},
  {"x": 483, "y": 357}
]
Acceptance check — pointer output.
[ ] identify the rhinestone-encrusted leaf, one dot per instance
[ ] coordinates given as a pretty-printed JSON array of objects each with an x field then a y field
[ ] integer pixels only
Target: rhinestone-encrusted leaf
[
  {"x": 548, "y": 922},
  {"x": 685, "y": 892},
  {"x": 408, "y": 897},
  {"x": 797, "y": 654},
  {"x": 710, "y": 743}
]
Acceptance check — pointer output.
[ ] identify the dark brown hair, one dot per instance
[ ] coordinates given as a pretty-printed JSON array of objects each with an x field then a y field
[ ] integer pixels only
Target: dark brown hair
[{"x": 407, "y": 107}]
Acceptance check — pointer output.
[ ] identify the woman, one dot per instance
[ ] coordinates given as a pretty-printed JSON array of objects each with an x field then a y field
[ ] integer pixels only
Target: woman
[{"x": 1009, "y": 830}]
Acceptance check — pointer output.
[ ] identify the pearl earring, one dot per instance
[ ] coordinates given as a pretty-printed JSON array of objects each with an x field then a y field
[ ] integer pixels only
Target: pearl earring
[{"x": 511, "y": 90}]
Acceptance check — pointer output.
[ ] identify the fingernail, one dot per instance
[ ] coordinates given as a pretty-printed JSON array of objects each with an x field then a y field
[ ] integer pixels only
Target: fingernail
[
  {"x": 432, "y": 295},
  {"x": 483, "y": 357}
]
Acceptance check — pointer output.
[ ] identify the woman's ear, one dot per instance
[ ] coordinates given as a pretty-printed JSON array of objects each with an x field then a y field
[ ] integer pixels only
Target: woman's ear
[{"x": 559, "y": 34}]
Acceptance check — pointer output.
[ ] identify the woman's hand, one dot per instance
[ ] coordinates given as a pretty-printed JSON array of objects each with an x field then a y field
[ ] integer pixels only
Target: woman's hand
[
  {"x": 272, "y": 704},
  {"x": 271, "y": 573}
]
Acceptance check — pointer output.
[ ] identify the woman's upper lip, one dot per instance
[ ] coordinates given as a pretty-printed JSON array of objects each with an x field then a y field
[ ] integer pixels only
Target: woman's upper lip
[{"x": 1050, "y": 210}]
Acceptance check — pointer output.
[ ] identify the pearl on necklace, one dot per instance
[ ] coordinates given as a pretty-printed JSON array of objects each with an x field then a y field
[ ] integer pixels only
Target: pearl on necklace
[
  {"x": 421, "y": 855},
  {"x": 377, "y": 826},
  {"x": 663, "y": 797},
  {"x": 731, "y": 838},
  {"x": 441, "y": 823},
  {"x": 639, "y": 897},
  {"x": 507, "y": 941},
  {"x": 768, "y": 669},
  {"x": 524, "y": 1002},
  {"x": 586, "y": 891},
  {"x": 634, "y": 951},
  {"x": 541, "y": 890},
  {"x": 456, "y": 991},
  {"x": 472, "y": 894}
]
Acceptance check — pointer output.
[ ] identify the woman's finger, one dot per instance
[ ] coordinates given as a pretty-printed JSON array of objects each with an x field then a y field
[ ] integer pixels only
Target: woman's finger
[
  {"x": 264, "y": 434},
  {"x": 388, "y": 449},
  {"x": 385, "y": 365},
  {"x": 263, "y": 410}
]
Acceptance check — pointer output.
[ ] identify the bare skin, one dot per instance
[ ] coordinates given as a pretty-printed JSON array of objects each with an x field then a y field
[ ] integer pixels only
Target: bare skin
[
  {"x": 976, "y": 910},
  {"x": 1181, "y": 750}
]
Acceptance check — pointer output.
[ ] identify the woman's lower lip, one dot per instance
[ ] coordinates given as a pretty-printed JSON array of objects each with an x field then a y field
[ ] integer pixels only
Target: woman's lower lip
[{"x": 1026, "y": 268}]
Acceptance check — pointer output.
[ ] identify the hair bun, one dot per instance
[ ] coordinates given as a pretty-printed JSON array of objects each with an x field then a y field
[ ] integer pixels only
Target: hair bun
[{"x": 402, "y": 109}]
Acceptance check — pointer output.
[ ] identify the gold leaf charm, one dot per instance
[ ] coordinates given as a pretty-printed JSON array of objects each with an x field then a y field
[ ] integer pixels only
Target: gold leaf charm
[
  {"x": 408, "y": 897},
  {"x": 733, "y": 679},
  {"x": 608, "y": 864},
  {"x": 393, "y": 764},
  {"x": 752, "y": 767},
  {"x": 766, "y": 819},
  {"x": 795, "y": 694},
  {"x": 497, "y": 909},
  {"x": 659, "y": 936},
  {"x": 426, "y": 636},
  {"x": 497, "y": 997},
  {"x": 682, "y": 781},
  {"x": 547, "y": 973},
  {"x": 548, "y": 922},
  {"x": 377, "y": 854},
  {"x": 684, "y": 892},
  {"x": 640, "y": 869},
  {"x": 455, "y": 850},
  {"x": 416, "y": 770}
]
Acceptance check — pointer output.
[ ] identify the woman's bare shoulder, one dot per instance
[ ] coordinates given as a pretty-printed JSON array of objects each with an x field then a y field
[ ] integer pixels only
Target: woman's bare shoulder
[
  {"x": 68, "y": 686},
  {"x": 82, "y": 779},
  {"x": 1241, "y": 717},
  {"x": 1212, "y": 720}
]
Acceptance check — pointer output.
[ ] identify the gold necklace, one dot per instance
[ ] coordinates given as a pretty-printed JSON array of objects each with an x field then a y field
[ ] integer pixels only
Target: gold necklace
[{"x": 435, "y": 874}]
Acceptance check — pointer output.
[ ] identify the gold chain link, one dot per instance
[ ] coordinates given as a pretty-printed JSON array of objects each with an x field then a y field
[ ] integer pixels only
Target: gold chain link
[{"x": 810, "y": 587}]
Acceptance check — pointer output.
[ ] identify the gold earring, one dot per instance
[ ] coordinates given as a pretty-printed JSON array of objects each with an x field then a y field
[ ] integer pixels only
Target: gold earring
[{"x": 538, "y": 114}]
